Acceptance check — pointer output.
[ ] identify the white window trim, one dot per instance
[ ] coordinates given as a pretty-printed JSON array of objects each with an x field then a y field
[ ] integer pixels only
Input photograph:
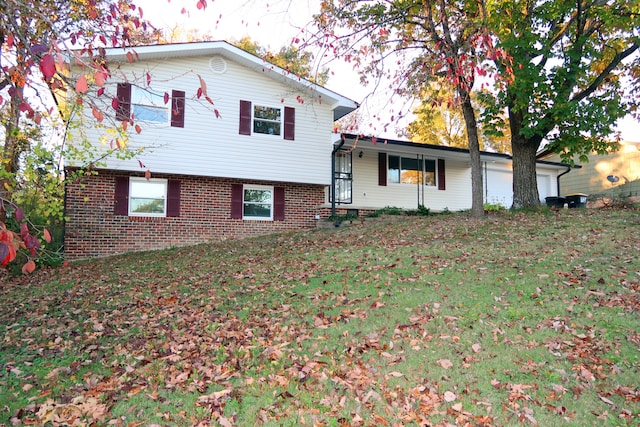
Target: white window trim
[
  {"x": 167, "y": 106},
  {"x": 134, "y": 180},
  {"x": 253, "y": 120},
  {"x": 258, "y": 187}
]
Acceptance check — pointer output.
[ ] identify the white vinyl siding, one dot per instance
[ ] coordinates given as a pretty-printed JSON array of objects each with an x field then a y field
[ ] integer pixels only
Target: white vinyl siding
[
  {"x": 212, "y": 146},
  {"x": 367, "y": 194}
]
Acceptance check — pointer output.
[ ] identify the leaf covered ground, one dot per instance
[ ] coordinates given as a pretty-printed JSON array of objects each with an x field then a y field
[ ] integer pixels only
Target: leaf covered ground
[{"x": 520, "y": 319}]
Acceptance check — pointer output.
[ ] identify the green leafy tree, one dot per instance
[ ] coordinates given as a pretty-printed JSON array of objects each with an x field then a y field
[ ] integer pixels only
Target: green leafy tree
[
  {"x": 572, "y": 73},
  {"x": 413, "y": 43},
  {"x": 439, "y": 123},
  {"x": 290, "y": 58}
]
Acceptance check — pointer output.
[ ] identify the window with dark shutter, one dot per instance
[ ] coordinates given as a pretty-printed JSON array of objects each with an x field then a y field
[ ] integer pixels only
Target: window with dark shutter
[
  {"x": 441, "y": 175},
  {"x": 245, "y": 117},
  {"x": 278, "y": 204},
  {"x": 177, "y": 108},
  {"x": 123, "y": 110},
  {"x": 121, "y": 196},
  {"x": 236, "y": 201},
  {"x": 382, "y": 169},
  {"x": 173, "y": 198},
  {"x": 289, "y": 123}
]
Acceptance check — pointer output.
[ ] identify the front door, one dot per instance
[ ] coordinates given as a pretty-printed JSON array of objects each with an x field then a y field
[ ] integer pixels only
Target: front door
[{"x": 343, "y": 177}]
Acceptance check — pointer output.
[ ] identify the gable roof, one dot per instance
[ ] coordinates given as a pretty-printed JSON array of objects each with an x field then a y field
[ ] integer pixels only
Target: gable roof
[
  {"x": 340, "y": 105},
  {"x": 452, "y": 152}
]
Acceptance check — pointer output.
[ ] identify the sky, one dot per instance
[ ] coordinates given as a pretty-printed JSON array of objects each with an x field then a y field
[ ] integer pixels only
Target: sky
[{"x": 275, "y": 24}]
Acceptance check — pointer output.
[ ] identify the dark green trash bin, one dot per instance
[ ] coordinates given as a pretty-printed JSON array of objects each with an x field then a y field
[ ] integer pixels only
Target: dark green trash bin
[
  {"x": 555, "y": 202},
  {"x": 577, "y": 200}
]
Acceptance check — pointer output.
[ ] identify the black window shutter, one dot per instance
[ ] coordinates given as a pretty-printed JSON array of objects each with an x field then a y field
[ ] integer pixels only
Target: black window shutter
[
  {"x": 121, "y": 196},
  {"x": 382, "y": 169},
  {"x": 236, "y": 201},
  {"x": 278, "y": 203},
  {"x": 173, "y": 198},
  {"x": 289, "y": 123},
  {"x": 177, "y": 108},
  {"x": 245, "y": 117},
  {"x": 123, "y": 112},
  {"x": 441, "y": 174}
]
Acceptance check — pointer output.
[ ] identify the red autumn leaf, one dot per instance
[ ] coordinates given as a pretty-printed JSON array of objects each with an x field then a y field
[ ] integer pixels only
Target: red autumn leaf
[
  {"x": 147, "y": 174},
  {"x": 142, "y": 166},
  {"x": 148, "y": 79},
  {"x": 209, "y": 99},
  {"x": 4, "y": 252},
  {"x": 18, "y": 214},
  {"x": 100, "y": 91},
  {"x": 203, "y": 85},
  {"x": 9, "y": 253},
  {"x": 217, "y": 113},
  {"x": 81, "y": 84},
  {"x": 99, "y": 77},
  {"x": 46, "y": 235},
  {"x": 115, "y": 103},
  {"x": 29, "y": 267},
  {"x": 199, "y": 93},
  {"x": 99, "y": 116},
  {"x": 48, "y": 66},
  {"x": 138, "y": 129},
  {"x": 202, "y": 4},
  {"x": 166, "y": 98},
  {"x": 130, "y": 57}
]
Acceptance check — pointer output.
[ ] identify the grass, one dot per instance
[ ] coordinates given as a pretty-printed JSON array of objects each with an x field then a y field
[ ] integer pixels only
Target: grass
[{"x": 518, "y": 319}]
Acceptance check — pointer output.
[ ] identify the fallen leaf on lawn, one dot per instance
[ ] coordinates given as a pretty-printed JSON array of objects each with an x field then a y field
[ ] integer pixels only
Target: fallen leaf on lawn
[
  {"x": 449, "y": 396},
  {"x": 605, "y": 400},
  {"x": 476, "y": 348},
  {"x": 396, "y": 374},
  {"x": 445, "y": 363}
]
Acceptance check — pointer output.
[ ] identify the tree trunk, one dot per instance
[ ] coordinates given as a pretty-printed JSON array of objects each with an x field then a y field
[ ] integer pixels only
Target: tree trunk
[
  {"x": 525, "y": 182},
  {"x": 9, "y": 157},
  {"x": 477, "y": 200},
  {"x": 523, "y": 150}
]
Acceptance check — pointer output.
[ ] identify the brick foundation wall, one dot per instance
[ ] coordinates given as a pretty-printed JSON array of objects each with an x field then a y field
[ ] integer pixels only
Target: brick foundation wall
[{"x": 92, "y": 229}]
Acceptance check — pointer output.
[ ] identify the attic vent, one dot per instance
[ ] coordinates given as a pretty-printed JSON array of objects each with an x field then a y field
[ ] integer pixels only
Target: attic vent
[{"x": 218, "y": 65}]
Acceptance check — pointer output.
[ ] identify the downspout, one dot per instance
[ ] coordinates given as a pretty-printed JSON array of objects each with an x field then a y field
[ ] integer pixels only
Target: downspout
[
  {"x": 423, "y": 172},
  {"x": 418, "y": 183},
  {"x": 333, "y": 175},
  {"x": 558, "y": 180}
]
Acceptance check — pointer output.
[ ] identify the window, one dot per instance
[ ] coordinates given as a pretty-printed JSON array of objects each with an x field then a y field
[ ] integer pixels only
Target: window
[
  {"x": 405, "y": 170},
  {"x": 266, "y": 120},
  {"x": 259, "y": 119},
  {"x": 147, "y": 198},
  {"x": 257, "y": 202},
  {"x": 148, "y": 106}
]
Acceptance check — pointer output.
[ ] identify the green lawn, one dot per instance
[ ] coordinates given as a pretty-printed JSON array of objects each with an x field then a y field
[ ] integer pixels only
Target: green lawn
[{"x": 519, "y": 319}]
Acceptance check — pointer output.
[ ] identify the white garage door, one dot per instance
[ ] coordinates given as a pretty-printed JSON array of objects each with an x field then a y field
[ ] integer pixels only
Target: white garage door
[{"x": 499, "y": 187}]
